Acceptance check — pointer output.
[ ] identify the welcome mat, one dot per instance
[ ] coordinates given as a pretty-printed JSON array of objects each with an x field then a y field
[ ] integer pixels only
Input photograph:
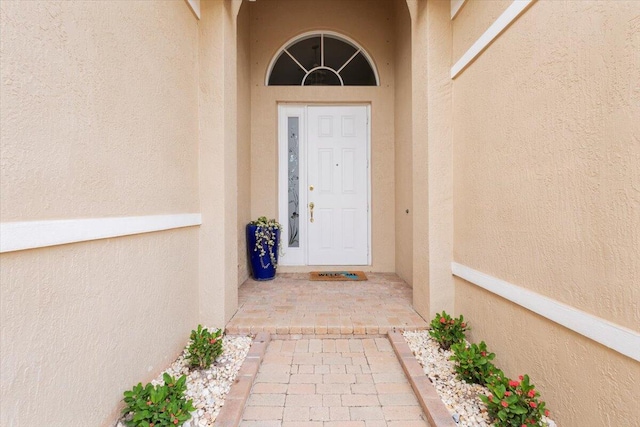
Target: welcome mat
[{"x": 337, "y": 276}]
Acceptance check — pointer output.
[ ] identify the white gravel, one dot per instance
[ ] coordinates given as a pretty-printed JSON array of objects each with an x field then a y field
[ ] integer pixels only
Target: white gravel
[
  {"x": 208, "y": 388},
  {"x": 458, "y": 396}
]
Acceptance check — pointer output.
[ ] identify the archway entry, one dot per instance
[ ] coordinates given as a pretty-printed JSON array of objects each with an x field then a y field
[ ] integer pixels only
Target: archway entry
[{"x": 324, "y": 184}]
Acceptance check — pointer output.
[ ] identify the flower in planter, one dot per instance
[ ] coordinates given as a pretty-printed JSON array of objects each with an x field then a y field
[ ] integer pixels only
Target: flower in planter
[{"x": 265, "y": 234}]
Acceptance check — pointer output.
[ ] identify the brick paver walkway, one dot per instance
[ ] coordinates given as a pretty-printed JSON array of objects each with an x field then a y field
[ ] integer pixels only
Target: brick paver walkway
[
  {"x": 345, "y": 382},
  {"x": 292, "y": 305}
]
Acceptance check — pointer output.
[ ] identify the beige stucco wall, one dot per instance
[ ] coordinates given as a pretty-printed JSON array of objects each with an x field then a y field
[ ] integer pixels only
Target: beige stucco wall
[
  {"x": 99, "y": 107},
  {"x": 475, "y": 17},
  {"x": 431, "y": 157},
  {"x": 547, "y": 197},
  {"x": 218, "y": 162},
  {"x": 244, "y": 138},
  {"x": 402, "y": 142},
  {"x": 84, "y": 322},
  {"x": 440, "y": 156},
  {"x": 275, "y": 22},
  {"x": 98, "y": 119},
  {"x": 419, "y": 153},
  {"x": 582, "y": 382}
]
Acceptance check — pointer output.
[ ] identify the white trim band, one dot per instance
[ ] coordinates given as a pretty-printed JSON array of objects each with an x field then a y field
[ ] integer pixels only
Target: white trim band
[
  {"x": 195, "y": 6},
  {"x": 17, "y": 236},
  {"x": 512, "y": 13},
  {"x": 456, "y": 5},
  {"x": 616, "y": 337}
]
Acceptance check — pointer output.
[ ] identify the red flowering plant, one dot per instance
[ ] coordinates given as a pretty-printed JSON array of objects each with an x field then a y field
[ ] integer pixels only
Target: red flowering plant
[
  {"x": 514, "y": 403},
  {"x": 447, "y": 331},
  {"x": 473, "y": 363},
  {"x": 204, "y": 348}
]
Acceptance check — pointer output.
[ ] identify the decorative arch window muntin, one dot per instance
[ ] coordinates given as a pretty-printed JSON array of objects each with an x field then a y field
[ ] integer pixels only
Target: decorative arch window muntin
[{"x": 290, "y": 69}]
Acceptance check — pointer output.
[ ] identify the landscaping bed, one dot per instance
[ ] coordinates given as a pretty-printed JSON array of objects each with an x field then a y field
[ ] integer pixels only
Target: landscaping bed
[
  {"x": 208, "y": 387},
  {"x": 460, "y": 397}
]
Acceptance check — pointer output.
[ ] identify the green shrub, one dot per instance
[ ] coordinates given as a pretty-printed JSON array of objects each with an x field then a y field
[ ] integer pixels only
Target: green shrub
[
  {"x": 514, "y": 403},
  {"x": 473, "y": 364},
  {"x": 205, "y": 347},
  {"x": 447, "y": 331},
  {"x": 158, "y": 406}
]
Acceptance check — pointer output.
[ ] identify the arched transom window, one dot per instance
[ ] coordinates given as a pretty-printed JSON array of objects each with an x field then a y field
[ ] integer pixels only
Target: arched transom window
[{"x": 322, "y": 59}]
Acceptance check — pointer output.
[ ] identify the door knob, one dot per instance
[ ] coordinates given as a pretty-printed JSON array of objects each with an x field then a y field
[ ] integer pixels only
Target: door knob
[{"x": 311, "y": 206}]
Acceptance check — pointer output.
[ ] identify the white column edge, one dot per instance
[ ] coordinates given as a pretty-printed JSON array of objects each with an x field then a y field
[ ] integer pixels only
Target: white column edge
[
  {"x": 623, "y": 340},
  {"x": 456, "y": 5},
  {"x": 17, "y": 236},
  {"x": 508, "y": 16},
  {"x": 195, "y": 6}
]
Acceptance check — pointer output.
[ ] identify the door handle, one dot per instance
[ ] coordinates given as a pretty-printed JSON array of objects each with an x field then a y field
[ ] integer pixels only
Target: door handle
[{"x": 311, "y": 206}]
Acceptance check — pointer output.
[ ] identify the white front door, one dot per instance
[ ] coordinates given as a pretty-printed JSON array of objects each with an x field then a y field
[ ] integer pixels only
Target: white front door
[{"x": 337, "y": 185}]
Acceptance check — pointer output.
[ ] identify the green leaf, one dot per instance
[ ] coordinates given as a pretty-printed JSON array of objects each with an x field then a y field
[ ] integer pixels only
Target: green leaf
[
  {"x": 518, "y": 410},
  {"x": 499, "y": 391},
  {"x": 502, "y": 415},
  {"x": 167, "y": 378},
  {"x": 181, "y": 382},
  {"x": 141, "y": 415}
]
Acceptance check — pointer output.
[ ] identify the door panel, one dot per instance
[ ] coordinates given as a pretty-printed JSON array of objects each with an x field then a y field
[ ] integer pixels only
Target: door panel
[{"x": 337, "y": 170}]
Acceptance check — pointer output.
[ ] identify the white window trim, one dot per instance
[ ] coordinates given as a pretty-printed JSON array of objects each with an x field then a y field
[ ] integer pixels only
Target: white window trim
[
  {"x": 293, "y": 40},
  {"x": 324, "y": 68}
]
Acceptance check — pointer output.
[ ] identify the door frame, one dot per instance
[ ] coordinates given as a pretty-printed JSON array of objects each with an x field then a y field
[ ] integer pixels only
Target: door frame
[{"x": 299, "y": 256}]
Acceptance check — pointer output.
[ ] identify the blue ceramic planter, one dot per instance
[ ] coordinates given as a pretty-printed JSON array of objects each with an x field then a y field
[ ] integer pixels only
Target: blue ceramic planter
[{"x": 261, "y": 267}]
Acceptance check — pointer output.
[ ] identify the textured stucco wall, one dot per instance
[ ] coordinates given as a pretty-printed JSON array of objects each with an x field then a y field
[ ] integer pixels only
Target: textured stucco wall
[
  {"x": 475, "y": 17},
  {"x": 99, "y": 107},
  {"x": 440, "y": 156},
  {"x": 402, "y": 142},
  {"x": 419, "y": 153},
  {"x": 99, "y": 112},
  {"x": 275, "y": 22},
  {"x": 547, "y": 196},
  {"x": 582, "y": 382},
  {"x": 431, "y": 156},
  {"x": 82, "y": 323},
  {"x": 244, "y": 139},
  {"x": 218, "y": 98}
]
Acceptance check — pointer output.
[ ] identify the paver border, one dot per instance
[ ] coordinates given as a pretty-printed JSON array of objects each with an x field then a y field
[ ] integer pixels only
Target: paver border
[
  {"x": 428, "y": 397},
  {"x": 231, "y": 413}
]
